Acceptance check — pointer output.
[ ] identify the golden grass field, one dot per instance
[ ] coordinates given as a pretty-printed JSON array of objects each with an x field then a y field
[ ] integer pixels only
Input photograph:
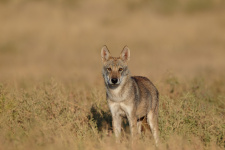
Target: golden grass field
[{"x": 52, "y": 93}]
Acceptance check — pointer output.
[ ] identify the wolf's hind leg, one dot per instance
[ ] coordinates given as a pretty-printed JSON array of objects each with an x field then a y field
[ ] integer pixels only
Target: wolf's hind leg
[{"x": 153, "y": 123}]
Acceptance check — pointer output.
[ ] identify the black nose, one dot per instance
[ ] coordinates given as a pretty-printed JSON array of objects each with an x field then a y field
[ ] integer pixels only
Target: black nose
[{"x": 114, "y": 80}]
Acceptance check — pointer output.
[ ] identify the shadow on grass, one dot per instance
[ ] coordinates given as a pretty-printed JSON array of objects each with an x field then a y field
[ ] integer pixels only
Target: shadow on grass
[{"x": 103, "y": 119}]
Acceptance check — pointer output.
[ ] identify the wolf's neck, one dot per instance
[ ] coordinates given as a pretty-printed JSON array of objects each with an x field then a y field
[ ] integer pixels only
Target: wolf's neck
[{"x": 120, "y": 93}]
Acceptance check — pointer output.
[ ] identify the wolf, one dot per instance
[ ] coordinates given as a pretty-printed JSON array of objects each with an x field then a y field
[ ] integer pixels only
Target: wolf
[{"x": 135, "y": 97}]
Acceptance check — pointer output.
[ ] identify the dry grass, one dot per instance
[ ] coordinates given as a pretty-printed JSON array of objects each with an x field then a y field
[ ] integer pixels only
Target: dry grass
[{"x": 51, "y": 90}]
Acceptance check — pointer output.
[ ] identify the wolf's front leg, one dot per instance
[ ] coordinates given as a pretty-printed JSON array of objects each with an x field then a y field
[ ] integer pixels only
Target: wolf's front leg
[{"x": 117, "y": 119}]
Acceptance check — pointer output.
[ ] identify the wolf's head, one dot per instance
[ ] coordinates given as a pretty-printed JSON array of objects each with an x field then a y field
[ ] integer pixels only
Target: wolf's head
[{"x": 115, "y": 68}]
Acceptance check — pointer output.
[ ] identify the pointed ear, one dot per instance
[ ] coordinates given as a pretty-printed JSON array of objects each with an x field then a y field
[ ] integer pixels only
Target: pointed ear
[
  {"x": 105, "y": 53},
  {"x": 125, "y": 54}
]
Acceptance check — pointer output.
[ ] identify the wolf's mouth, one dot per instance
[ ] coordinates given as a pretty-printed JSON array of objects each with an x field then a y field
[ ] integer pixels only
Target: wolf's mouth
[{"x": 113, "y": 86}]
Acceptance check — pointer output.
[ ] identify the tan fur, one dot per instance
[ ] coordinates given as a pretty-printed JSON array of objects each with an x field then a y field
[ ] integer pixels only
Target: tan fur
[{"x": 132, "y": 96}]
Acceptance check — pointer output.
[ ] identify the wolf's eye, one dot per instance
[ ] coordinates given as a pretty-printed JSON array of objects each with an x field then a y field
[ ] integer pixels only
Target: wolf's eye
[
  {"x": 109, "y": 69},
  {"x": 120, "y": 69}
]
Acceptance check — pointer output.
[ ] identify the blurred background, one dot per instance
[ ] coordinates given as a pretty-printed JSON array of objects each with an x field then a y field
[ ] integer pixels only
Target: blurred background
[
  {"x": 52, "y": 92},
  {"x": 62, "y": 39}
]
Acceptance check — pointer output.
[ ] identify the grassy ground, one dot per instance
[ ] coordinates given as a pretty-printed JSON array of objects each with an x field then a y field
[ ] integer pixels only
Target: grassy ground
[{"x": 52, "y": 94}]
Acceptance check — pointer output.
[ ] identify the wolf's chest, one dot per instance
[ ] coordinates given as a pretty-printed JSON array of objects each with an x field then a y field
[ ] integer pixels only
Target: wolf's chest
[
  {"x": 120, "y": 108},
  {"x": 117, "y": 95}
]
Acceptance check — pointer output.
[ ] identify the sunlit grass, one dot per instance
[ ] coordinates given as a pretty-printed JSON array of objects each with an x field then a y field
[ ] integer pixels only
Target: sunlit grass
[{"x": 49, "y": 114}]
